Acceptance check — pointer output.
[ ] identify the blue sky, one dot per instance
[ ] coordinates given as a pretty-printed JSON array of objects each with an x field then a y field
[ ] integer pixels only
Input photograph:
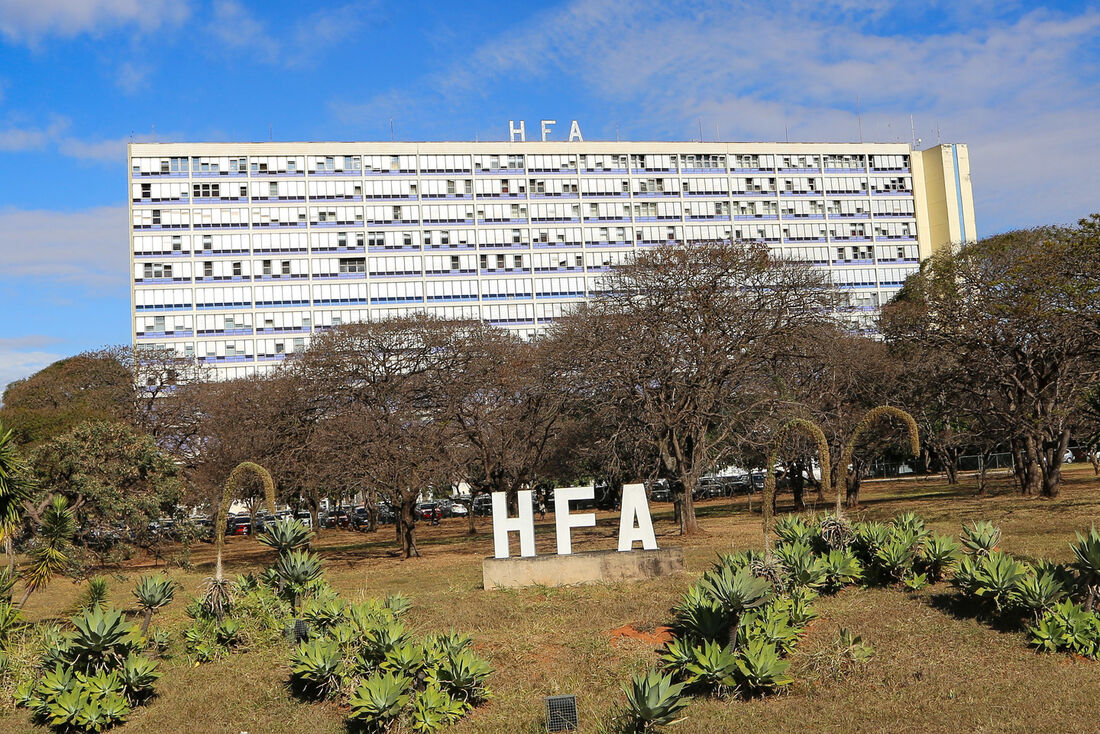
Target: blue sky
[{"x": 1018, "y": 82}]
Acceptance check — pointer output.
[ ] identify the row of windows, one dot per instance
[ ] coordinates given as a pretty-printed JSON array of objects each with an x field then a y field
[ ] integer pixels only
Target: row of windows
[
  {"x": 512, "y": 188},
  {"x": 443, "y": 164},
  {"x": 514, "y": 238}
]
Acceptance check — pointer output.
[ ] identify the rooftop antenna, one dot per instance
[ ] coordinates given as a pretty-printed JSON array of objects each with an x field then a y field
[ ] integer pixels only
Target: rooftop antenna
[
  {"x": 391, "y": 129},
  {"x": 938, "y": 141},
  {"x": 616, "y": 132},
  {"x": 700, "y": 129},
  {"x": 717, "y": 133},
  {"x": 913, "y": 129},
  {"x": 270, "y": 132},
  {"x": 859, "y": 118},
  {"x": 154, "y": 126}
]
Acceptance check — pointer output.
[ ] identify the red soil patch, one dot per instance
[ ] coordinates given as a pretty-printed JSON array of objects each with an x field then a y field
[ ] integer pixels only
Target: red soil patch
[{"x": 658, "y": 637}]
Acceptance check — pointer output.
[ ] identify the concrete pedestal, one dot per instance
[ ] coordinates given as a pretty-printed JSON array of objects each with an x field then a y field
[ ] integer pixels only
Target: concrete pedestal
[{"x": 581, "y": 568}]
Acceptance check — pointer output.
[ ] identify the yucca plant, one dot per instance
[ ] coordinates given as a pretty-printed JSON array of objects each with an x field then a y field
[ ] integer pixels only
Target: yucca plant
[
  {"x": 217, "y": 597},
  {"x": 152, "y": 593},
  {"x": 296, "y": 569},
  {"x": 834, "y": 532},
  {"x": 11, "y": 621},
  {"x": 7, "y": 583},
  {"x": 941, "y": 554},
  {"x": 1086, "y": 552},
  {"x": 433, "y": 710},
  {"x": 464, "y": 677},
  {"x": 840, "y": 568},
  {"x": 653, "y": 701},
  {"x": 736, "y": 593},
  {"x": 379, "y": 700},
  {"x": 51, "y": 553},
  {"x": 286, "y": 535},
  {"x": 316, "y": 668},
  {"x": 95, "y": 594},
  {"x": 16, "y": 485},
  {"x": 712, "y": 669},
  {"x": 760, "y": 669},
  {"x": 980, "y": 538}
]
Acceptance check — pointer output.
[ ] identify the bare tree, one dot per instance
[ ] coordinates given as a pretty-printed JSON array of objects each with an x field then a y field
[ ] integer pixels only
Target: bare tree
[
  {"x": 1018, "y": 314},
  {"x": 681, "y": 341}
]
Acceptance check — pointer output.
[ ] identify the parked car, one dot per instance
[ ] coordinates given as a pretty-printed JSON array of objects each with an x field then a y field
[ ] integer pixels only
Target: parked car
[
  {"x": 305, "y": 518},
  {"x": 659, "y": 491},
  {"x": 483, "y": 505},
  {"x": 427, "y": 510},
  {"x": 238, "y": 525}
]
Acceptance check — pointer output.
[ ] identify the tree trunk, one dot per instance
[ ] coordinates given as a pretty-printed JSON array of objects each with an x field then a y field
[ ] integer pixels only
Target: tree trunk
[
  {"x": 146, "y": 620},
  {"x": 688, "y": 524},
  {"x": 1052, "y": 465},
  {"x": 472, "y": 529},
  {"x": 1033, "y": 472},
  {"x": 855, "y": 478},
  {"x": 951, "y": 466},
  {"x": 9, "y": 548},
  {"x": 983, "y": 467},
  {"x": 798, "y": 483},
  {"x": 408, "y": 529}
]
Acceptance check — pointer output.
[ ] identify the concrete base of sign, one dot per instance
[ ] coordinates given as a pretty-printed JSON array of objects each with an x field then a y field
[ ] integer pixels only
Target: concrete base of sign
[{"x": 581, "y": 568}]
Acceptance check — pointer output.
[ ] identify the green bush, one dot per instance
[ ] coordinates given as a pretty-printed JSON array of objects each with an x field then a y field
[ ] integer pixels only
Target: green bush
[
  {"x": 316, "y": 669},
  {"x": 712, "y": 669},
  {"x": 761, "y": 669},
  {"x": 793, "y": 529},
  {"x": 802, "y": 569},
  {"x": 980, "y": 538},
  {"x": 941, "y": 554},
  {"x": 433, "y": 710},
  {"x": 991, "y": 578},
  {"x": 840, "y": 568},
  {"x": 699, "y": 616},
  {"x": 1038, "y": 590}
]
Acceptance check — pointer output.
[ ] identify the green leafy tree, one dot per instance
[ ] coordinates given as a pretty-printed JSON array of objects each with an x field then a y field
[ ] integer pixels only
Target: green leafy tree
[{"x": 111, "y": 475}]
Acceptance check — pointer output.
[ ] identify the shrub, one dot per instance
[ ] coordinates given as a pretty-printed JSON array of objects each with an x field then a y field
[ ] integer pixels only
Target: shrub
[
  {"x": 699, "y": 616},
  {"x": 677, "y": 655},
  {"x": 1038, "y": 590},
  {"x": 867, "y": 538},
  {"x": 793, "y": 529},
  {"x": 1086, "y": 552},
  {"x": 101, "y": 640},
  {"x": 652, "y": 701},
  {"x": 993, "y": 578},
  {"x": 296, "y": 569},
  {"x": 735, "y": 593},
  {"x": 895, "y": 557},
  {"x": 464, "y": 676},
  {"x": 801, "y": 567},
  {"x": 433, "y": 710}
]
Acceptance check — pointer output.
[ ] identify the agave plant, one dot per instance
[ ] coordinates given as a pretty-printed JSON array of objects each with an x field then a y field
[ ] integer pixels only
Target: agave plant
[
  {"x": 736, "y": 593},
  {"x": 995, "y": 577},
  {"x": 840, "y": 568},
  {"x": 381, "y": 638},
  {"x": 760, "y": 669},
  {"x": 101, "y": 639},
  {"x": 1068, "y": 626},
  {"x": 316, "y": 668},
  {"x": 895, "y": 557},
  {"x": 153, "y": 592},
  {"x": 379, "y": 701},
  {"x": 867, "y": 538},
  {"x": 793, "y": 529},
  {"x": 464, "y": 676},
  {"x": 677, "y": 655},
  {"x": 433, "y": 710},
  {"x": 296, "y": 569},
  {"x": 980, "y": 538},
  {"x": 11, "y": 621},
  {"x": 1038, "y": 591},
  {"x": 286, "y": 535},
  {"x": 1086, "y": 552},
  {"x": 94, "y": 595},
  {"x": 699, "y": 616},
  {"x": 712, "y": 669},
  {"x": 652, "y": 701},
  {"x": 771, "y": 624},
  {"x": 323, "y": 613},
  {"x": 407, "y": 659},
  {"x": 801, "y": 567},
  {"x": 941, "y": 554},
  {"x": 138, "y": 675}
]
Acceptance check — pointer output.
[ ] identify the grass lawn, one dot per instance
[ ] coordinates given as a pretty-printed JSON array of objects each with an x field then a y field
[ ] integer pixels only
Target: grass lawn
[{"x": 934, "y": 669}]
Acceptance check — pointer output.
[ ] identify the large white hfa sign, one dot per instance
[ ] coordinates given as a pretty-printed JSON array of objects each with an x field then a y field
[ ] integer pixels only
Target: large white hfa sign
[{"x": 635, "y": 524}]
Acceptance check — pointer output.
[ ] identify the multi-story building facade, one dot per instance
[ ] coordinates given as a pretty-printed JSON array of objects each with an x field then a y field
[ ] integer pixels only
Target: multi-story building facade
[{"x": 240, "y": 252}]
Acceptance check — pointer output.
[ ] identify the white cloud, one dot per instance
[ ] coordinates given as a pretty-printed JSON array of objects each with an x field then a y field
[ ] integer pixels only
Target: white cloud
[
  {"x": 22, "y": 356},
  {"x": 1019, "y": 87},
  {"x": 86, "y": 248},
  {"x": 238, "y": 30},
  {"x": 18, "y": 139},
  {"x": 29, "y": 21},
  {"x": 131, "y": 77}
]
